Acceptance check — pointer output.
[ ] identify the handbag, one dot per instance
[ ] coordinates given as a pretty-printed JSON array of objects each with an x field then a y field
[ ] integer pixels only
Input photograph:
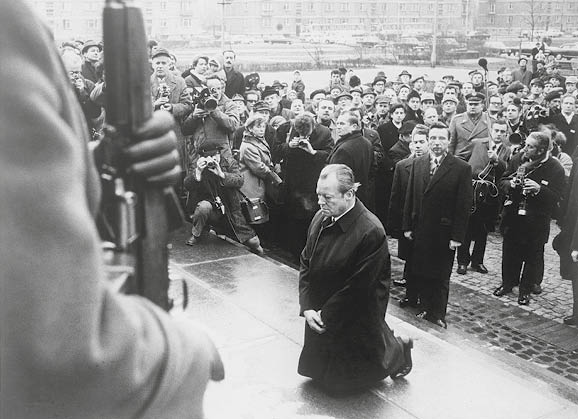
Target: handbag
[{"x": 255, "y": 210}]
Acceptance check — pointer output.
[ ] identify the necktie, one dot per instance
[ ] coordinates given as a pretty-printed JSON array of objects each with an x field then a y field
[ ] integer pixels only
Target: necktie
[{"x": 435, "y": 165}]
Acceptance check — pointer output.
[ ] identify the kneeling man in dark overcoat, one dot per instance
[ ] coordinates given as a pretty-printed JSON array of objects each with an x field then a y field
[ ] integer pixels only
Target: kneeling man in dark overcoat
[{"x": 343, "y": 292}]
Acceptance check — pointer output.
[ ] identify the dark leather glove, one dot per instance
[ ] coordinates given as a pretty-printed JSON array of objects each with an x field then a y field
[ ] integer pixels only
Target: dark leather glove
[{"x": 155, "y": 156}]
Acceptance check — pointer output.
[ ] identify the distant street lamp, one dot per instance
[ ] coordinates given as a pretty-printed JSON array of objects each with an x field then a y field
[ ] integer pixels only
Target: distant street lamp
[
  {"x": 223, "y": 3},
  {"x": 434, "y": 57}
]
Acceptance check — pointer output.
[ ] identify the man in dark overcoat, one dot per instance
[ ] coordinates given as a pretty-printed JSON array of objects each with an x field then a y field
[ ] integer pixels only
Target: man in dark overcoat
[
  {"x": 303, "y": 146},
  {"x": 419, "y": 147},
  {"x": 435, "y": 217},
  {"x": 355, "y": 151},
  {"x": 343, "y": 292},
  {"x": 533, "y": 184}
]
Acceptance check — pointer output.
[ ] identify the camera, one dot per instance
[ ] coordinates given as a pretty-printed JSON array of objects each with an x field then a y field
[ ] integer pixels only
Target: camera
[
  {"x": 302, "y": 142},
  {"x": 211, "y": 165},
  {"x": 164, "y": 90},
  {"x": 518, "y": 180},
  {"x": 205, "y": 99}
]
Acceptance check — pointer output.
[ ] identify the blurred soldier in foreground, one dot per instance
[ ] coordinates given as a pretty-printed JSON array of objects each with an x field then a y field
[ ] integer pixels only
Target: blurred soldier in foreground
[
  {"x": 343, "y": 292},
  {"x": 71, "y": 346}
]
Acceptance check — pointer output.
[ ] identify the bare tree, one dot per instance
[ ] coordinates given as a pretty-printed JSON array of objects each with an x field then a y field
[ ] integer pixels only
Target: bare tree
[
  {"x": 531, "y": 16},
  {"x": 316, "y": 54}
]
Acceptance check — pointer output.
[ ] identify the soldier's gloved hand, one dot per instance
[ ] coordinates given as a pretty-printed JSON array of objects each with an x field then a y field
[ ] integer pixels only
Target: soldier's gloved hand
[{"x": 155, "y": 156}]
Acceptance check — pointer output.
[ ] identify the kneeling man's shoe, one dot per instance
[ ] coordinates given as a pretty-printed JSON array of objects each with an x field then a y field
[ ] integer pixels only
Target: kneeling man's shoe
[
  {"x": 480, "y": 268},
  {"x": 501, "y": 290},
  {"x": 193, "y": 240},
  {"x": 524, "y": 299},
  {"x": 462, "y": 269},
  {"x": 255, "y": 245},
  {"x": 405, "y": 369},
  {"x": 570, "y": 321}
]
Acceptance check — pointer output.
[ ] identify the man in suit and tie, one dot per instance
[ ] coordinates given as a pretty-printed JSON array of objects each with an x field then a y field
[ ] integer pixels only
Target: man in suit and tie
[
  {"x": 355, "y": 151},
  {"x": 418, "y": 147},
  {"x": 567, "y": 122},
  {"x": 467, "y": 126},
  {"x": 435, "y": 217}
]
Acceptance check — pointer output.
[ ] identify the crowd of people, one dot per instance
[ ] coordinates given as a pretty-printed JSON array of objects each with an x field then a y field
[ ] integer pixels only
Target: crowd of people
[{"x": 516, "y": 132}]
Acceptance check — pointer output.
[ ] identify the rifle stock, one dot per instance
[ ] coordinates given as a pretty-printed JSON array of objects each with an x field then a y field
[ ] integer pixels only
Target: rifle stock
[{"x": 128, "y": 105}]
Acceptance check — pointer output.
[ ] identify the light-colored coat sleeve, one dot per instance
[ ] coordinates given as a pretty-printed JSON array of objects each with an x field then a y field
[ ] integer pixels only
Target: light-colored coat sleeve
[{"x": 71, "y": 347}]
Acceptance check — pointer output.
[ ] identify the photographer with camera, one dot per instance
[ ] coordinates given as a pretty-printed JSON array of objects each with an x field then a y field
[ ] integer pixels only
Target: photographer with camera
[
  {"x": 214, "y": 118},
  {"x": 83, "y": 89},
  {"x": 213, "y": 185},
  {"x": 169, "y": 93},
  {"x": 533, "y": 184}
]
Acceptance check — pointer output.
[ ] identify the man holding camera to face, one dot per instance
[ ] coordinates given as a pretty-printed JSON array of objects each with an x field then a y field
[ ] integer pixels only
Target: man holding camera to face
[
  {"x": 213, "y": 118},
  {"x": 533, "y": 184},
  {"x": 213, "y": 185}
]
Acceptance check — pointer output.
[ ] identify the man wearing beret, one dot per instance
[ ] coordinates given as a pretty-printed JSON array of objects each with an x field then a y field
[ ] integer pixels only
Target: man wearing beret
[
  {"x": 522, "y": 74},
  {"x": 537, "y": 91},
  {"x": 92, "y": 68},
  {"x": 418, "y": 84},
  {"x": 468, "y": 126}
]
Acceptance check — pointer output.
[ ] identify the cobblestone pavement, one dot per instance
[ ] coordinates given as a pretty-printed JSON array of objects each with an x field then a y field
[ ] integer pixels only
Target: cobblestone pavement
[{"x": 534, "y": 333}]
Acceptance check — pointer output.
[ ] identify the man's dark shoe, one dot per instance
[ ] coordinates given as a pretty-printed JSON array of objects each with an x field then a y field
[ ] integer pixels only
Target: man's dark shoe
[
  {"x": 570, "y": 321},
  {"x": 462, "y": 269},
  {"x": 399, "y": 282},
  {"x": 524, "y": 299},
  {"x": 407, "y": 302},
  {"x": 405, "y": 369},
  {"x": 536, "y": 289},
  {"x": 421, "y": 315},
  {"x": 480, "y": 268},
  {"x": 501, "y": 290}
]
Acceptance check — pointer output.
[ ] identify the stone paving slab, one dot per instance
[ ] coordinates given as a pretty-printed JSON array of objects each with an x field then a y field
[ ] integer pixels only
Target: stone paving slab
[{"x": 250, "y": 305}]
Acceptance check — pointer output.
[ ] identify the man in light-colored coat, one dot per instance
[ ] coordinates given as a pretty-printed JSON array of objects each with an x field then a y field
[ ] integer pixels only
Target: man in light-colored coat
[{"x": 467, "y": 126}]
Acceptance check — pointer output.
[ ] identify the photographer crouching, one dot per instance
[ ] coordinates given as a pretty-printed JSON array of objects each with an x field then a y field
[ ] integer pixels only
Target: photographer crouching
[{"x": 214, "y": 197}]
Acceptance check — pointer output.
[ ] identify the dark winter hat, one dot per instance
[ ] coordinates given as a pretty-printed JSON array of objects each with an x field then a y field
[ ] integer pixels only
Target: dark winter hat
[
  {"x": 413, "y": 94},
  {"x": 268, "y": 91},
  {"x": 407, "y": 127}
]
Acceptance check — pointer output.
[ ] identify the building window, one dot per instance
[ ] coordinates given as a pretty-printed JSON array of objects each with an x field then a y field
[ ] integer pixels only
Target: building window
[
  {"x": 66, "y": 24},
  {"x": 492, "y": 20},
  {"x": 286, "y": 6},
  {"x": 344, "y": 7},
  {"x": 187, "y": 23},
  {"x": 163, "y": 5},
  {"x": 186, "y": 5},
  {"x": 510, "y": 19},
  {"x": 492, "y": 7},
  {"x": 266, "y": 22},
  {"x": 49, "y": 8},
  {"x": 267, "y": 7},
  {"x": 328, "y": 7},
  {"x": 164, "y": 23},
  {"x": 510, "y": 6},
  {"x": 362, "y": 7},
  {"x": 91, "y": 24}
]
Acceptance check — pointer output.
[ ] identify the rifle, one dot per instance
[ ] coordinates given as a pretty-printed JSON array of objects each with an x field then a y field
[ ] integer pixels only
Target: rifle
[{"x": 139, "y": 211}]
